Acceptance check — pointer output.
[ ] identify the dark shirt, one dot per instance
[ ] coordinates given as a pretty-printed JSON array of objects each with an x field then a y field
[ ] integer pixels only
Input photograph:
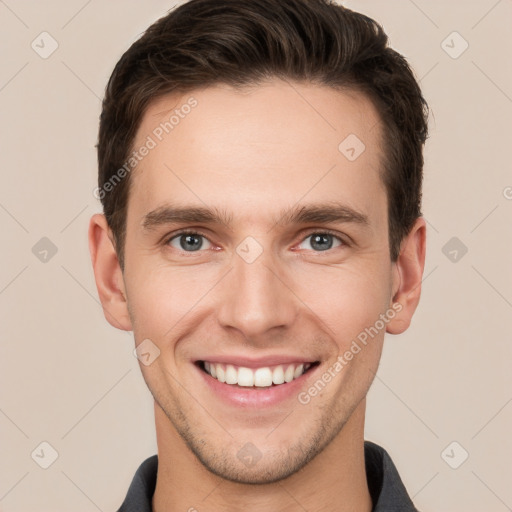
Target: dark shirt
[{"x": 386, "y": 488}]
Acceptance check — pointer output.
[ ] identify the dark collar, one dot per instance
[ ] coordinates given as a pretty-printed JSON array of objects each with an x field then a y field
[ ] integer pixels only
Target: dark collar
[
  {"x": 386, "y": 488},
  {"x": 384, "y": 483}
]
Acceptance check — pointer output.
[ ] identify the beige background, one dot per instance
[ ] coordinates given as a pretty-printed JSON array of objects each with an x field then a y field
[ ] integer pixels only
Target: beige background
[{"x": 70, "y": 379}]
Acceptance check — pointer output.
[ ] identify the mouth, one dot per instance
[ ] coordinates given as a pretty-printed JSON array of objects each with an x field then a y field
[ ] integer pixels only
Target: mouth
[{"x": 262, "y": 378}]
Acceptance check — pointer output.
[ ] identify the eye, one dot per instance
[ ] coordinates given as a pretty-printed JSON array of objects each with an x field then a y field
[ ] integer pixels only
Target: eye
[
  {"x": 322, "y": 241},
  {"x": 189, "y": 242}
]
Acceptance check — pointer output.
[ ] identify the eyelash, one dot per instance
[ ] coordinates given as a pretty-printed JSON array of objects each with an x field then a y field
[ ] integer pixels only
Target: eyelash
[{"x": 308, "y": 234}]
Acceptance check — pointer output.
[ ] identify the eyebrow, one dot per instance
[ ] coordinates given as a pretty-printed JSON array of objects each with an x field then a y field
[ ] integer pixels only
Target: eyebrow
[{"x": 320, "y": 213}]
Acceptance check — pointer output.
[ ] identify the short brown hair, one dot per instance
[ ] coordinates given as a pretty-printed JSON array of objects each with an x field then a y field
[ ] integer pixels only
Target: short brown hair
[{"x": 240, "y": 42}]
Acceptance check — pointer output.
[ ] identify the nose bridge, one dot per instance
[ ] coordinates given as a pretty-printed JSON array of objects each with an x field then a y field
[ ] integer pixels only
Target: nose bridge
[{"x": 255, "y": 299}]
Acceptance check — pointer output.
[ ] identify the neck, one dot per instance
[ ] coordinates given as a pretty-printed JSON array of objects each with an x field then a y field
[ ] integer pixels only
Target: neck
[{"x": 334, "y": 480}]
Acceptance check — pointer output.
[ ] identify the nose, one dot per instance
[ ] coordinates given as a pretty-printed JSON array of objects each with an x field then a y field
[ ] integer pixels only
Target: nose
[{"x": 256, "y": 299}]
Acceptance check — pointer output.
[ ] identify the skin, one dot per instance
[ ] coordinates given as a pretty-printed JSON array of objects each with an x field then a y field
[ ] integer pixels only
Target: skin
[{"x": 254, "y": 154}]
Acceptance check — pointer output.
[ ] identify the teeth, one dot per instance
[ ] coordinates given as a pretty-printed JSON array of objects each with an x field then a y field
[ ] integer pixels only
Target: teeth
[
  {"x": 288, "y": 374},
  {"x": 278, "y": 375},
  {"x": 221, "y": 376},
  {"x": 231, "y": 375},
  {"x": 260, "y": 377},
  {"x": 245, "y": 377}
]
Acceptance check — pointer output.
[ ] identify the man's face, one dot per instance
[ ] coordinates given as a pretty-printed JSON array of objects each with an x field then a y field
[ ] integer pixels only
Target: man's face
[{"x": 263, "y": 287}]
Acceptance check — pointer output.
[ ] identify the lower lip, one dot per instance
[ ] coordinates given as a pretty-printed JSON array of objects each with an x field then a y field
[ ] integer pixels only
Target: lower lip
[{"x": 240, "y": 396}]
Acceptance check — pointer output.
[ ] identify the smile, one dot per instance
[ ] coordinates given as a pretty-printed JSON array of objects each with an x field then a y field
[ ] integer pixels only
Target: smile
[{"x": 263, "y": 377}]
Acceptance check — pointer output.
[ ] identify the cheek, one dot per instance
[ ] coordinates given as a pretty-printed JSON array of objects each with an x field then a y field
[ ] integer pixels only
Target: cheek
[
  {"x": 347, "y": 299},
  {"x": 161, "y": 297}
]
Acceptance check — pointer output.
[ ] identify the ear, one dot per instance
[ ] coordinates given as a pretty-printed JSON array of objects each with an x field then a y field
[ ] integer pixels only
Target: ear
[
  {"x": 108, "y": 273},
  {"x": 407, "y": 276}
]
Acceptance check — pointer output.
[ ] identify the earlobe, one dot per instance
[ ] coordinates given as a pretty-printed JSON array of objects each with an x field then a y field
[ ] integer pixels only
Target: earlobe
[
  {"x": 108, "y": 273},
  {"x": 408, "y": 276}
]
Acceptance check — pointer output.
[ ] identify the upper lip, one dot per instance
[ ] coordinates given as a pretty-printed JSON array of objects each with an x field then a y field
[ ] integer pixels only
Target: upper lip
[{"x": 260, "y": 362}]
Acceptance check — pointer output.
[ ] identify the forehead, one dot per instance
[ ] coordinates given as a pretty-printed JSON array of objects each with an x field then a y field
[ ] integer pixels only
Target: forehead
[{"x": 243, "y": 150}]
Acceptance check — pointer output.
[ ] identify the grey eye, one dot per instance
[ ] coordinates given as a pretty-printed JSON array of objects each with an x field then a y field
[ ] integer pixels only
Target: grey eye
[
  {"x": 322, "y": 241},
  {"x": 189, "y": 242}
]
